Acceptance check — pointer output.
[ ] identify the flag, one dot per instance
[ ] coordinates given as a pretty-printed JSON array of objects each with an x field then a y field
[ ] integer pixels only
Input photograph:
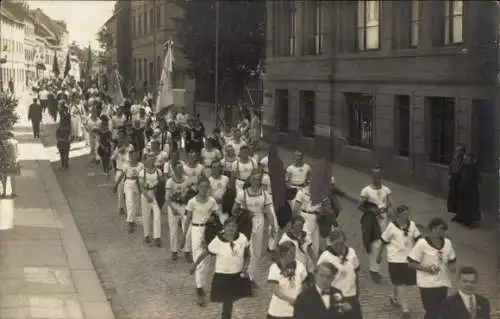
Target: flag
[
  {"x": 320, "y": 181},
  {"x": 88, "y": 67},
  {"x": 67, "y": 66},
  {"x": 115, "y": 88},
  {"x": 165, "y": 96},
  {"x": 55, "y": 65},
  {"x": 277, "y": 175}
]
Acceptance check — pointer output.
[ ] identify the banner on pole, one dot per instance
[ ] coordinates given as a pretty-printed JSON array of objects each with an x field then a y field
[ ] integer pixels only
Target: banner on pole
[{"x": 165, "y": 96}]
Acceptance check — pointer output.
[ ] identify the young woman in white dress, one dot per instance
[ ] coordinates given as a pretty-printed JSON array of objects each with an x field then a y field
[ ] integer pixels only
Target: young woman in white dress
[
  {"x": 149, "y": 180},
  {"x": 259, "y": 205},
  {"x": 131, "y": 188},
  {"x": 176, "y": 189},
  {"x": 121, "y": 158},
  {"x": 92, "y": 126},
  {"x": 232, "y": 255},
  {"x": 228, "y": 161},
  {"x": 198, "y": 211}
]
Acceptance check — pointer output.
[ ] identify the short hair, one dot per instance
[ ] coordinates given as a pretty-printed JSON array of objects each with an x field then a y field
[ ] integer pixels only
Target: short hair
[
  {"x": 401, "y": 209},
  {"x": 328, "y": 266},
  {"x": 285, "y": 247},
  {"x": 468, "y": 270},
  {"x": 337, "y": 234},
  {"x": 435, "y": 222}
]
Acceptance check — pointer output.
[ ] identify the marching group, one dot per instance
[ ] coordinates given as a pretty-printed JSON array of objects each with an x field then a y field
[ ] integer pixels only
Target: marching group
[{"x": 217, "y": 195}]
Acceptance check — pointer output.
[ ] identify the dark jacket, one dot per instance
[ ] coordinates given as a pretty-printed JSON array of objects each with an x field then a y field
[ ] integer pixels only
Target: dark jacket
[
  {"x": 453, "y": 307},
  {"x": 35, "y": 112},
  {"x": 310, "y": 305},
  {"x": 369, "y": 224}
]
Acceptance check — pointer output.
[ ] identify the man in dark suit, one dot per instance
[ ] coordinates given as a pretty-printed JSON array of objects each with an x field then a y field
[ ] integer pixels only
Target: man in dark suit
[
  {"x": 35, "y": 116},
  {"x": 321, "y": 301},
  {"x": 466, "y": 303}
]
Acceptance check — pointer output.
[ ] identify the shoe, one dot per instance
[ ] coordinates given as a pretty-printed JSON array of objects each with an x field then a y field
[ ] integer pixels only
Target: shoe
[
  {"x": 200, "y": 297},
  {"x": 175, "y": 256},
  {"x": 376, "y": 277},
  {"x": 188, "y": 257},
  {"x": 394, "y": 302},
  {"x": 130, "y": 227},
  {"x": 405, "y": 314},
  {"x": 121, "y": 212},
  {"x": 147, "y": 240},
  {"x": 158, "y": 242},
  {"x": 253, "y": 288}
]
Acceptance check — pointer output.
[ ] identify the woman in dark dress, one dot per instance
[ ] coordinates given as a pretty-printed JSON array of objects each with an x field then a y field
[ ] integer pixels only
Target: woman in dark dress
[
  {"x": 197, "y": 134},
  {"x": 454, "y": 179},
  {"x": 105, "y": 148},
  {"x": 468, "y": 211}
]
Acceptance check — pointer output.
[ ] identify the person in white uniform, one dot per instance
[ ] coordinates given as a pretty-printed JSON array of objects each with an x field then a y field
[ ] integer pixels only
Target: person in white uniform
[
  {"x": 345, "y": 259},
  {"x": 303, "y": 246},
  {"x": 259, "y": 204},
  {"x": 286, "y": 278},
  {"x": 218, "y": 184},
  {"x": 174, "y": 159},
  {"x": 243, "y": 168},
  {"x": 380, "y": 195},
  {"x": 228, "y": 161},
  {"x": 92, "y": 125},
  {"x": 303, "y": 205},
  {"x": 209, "y": 155},
  {"x": 399, "y": 238},
  {"x": 298, "y": 174},
  {"x": 149, "y": 179},
  {"x": 176, "y": 189},
  {"x": 237, "y": 142},
  {"x": 131, "y": 188},
  {"x": 121, "y": 158},
  {"x": 198, "y": 210}
]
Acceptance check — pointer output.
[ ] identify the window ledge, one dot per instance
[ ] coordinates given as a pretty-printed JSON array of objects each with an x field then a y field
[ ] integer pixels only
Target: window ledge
[{"x": 358, "y": 148}]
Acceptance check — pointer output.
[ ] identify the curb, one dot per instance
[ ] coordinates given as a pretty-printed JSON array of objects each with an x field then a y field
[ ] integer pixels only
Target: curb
[{"x": 93, "y": 300}]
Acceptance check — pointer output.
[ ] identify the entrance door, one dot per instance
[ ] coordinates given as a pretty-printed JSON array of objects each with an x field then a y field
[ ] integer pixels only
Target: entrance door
[{"x": 484, "y": 135}]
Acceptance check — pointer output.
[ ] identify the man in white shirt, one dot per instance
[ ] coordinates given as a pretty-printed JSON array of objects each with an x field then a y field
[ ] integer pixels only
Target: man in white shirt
[
  {"x": 298, "y": 174},
  {"x": 379, "y": 195},
  {"x": 44, "y": 95}
]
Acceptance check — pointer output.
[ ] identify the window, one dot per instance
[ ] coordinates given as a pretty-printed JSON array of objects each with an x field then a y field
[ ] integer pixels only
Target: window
[
  {"x": 145, "y": 21},
  {"x": 314, "y": 38},
  {"x": 281, "y": 110},
  {"x": 158, "y": 17},
  {"x": 139, "y": 70},
  {"x": 368, "y": 25},
  {"x": 318, "y": 28},
  {"x": 139, "y": 25},
  {"x": 307, "y": 113},
  {"x": 414, "y": 23},
  {"x": 291, "y": 30},
  {"x": 442, "y": 129},
  {"x": 402, "y": 123},
  {"x": 145, "y": 70},
  {"x": 133, "y": 27},
  {"x": 360, "y": 119},
  {"x": 453, "y": 17}
]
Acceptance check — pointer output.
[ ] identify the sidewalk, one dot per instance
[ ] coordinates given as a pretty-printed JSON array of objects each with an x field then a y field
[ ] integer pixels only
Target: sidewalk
[{"x": 45, "y": 269}]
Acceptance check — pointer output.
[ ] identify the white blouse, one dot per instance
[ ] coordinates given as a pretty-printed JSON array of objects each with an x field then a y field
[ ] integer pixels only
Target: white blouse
[{"x": 229, "y": 260}]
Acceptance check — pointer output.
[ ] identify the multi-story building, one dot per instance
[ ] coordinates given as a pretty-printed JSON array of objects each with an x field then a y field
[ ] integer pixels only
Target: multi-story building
[
  {"x": 399, "y": 83},
  {"x": 111, "y": 54},
  {"x": 12, "y": 49},
  {"x": 153, "y": 25}
]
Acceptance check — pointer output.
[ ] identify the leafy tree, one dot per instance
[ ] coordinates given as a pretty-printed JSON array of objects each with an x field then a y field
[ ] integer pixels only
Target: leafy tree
[
  {"x": 67, "y": 65},
  {"x": 105, "y": 39},
  {"x": 8, "y": 117},
  {"x": 241, "y": 41}
]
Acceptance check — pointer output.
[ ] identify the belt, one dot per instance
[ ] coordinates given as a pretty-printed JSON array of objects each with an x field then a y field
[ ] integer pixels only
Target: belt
[
  {"x": 131, "y": 178},
  {"x": 307, "y": 212},
  {"x": 198, "y": 225},
  {"x": 241, "y": 179},
  {"x": 299, "y": 185}
]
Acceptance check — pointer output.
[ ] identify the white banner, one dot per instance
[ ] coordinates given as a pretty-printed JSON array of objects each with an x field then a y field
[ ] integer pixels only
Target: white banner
[{"x": 165, "y": 96}]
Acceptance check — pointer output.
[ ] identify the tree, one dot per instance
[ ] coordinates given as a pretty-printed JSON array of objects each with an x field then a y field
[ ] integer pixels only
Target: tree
[
  {"x": 8, "y": 118},
  {"x": 55, "y": 65},
  {"x": 67, "y": 65},
  {"x": 241, "y": 41},
  {"x": 105, "y": 39}
]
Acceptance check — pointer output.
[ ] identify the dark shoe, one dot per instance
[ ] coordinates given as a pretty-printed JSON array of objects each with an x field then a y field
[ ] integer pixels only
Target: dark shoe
[
  {"x": 130, "y": 227},
  {"x": 158, "y": 242},
  {"x": 188, "y": 257},
  {"x": 121, "y": 212},
  {"x": 376, "y": 277},
  {"x": 147, "y": 240},
  {"x": 200, "y": 297},
  {"x": 253, "y": 288},
  {"x": 394, "y": 302},
  {"x": 175, "y": 256}
]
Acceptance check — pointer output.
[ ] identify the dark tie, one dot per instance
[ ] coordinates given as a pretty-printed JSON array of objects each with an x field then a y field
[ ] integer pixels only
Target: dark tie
[{"x": 472, "y": 306}]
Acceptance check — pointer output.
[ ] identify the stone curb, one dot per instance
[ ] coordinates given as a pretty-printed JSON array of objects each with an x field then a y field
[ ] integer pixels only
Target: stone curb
[{"x": 91, "y": 295}]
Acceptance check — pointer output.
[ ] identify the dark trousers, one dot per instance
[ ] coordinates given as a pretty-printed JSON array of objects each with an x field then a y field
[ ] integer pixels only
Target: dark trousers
[
  {"x": 64, "y": 148},
  {"x": 44, "y": 104},
  {"x": 432, "y": 298},
  {"x": 36, "y": 128},
  {"x": 227, "y": 310},
  {"x": 356, "y": 312}
]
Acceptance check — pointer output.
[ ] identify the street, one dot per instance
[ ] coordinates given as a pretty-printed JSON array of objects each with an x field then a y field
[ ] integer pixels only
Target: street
[{"x": 143, "y": 282}]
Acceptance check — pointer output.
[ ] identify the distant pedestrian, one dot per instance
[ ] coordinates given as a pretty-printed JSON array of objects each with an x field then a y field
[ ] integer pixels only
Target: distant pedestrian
[
  {"x": 44, "y": 95},
  {"x": 468, "y": 208},
  {"x": 63, "y": 136},
  {"x": 35, "y": 116},
  {"x": 454, "y": 179}
]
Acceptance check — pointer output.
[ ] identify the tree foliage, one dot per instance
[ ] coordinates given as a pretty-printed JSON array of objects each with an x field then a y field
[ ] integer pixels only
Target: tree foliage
[
  {"x": 8, "y": 118},
  {"x": 105, "y": 39},
  {"x": 55, "y": 65},
  {"x": 241, "y": 39}
]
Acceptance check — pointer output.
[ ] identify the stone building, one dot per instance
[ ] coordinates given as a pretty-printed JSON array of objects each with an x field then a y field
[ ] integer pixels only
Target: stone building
[
  {"x": 12, "y": 63},
  {"x": 401, "y": 82}
]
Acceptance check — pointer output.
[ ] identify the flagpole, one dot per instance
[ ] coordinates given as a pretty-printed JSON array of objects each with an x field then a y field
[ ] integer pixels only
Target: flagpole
[
  {"x": 155, "y": 77},
  {"x": 216, "y": 87}
]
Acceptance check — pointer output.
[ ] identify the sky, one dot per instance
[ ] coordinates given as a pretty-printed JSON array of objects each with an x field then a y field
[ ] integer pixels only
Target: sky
[{"x": 83, "y": 18}]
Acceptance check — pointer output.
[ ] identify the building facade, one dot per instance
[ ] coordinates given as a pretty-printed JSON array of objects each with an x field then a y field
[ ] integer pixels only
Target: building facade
[
  {"x": 397, "y": 84},
  {"x": 12, "y": 50}
]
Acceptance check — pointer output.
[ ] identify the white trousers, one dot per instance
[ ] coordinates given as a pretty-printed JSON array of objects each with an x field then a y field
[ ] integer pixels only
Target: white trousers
[
  {"x": 372, "y": 257},
  {"x": 132, "y": 199},
  {"x": 120, "y": 194},
  {"x": 256, "y": 243},
  {"x": 273, "y": 240},
  {"x": 188, "y": 244},
  {"x": 93, "y": 144},
  {"x": 238, "y": 184},
  {"x": 174, "y": 229},
  {"x": 151, "y": 209},
  {"x": 312, "y": 230},
  {"x": 198, "y": 244}
]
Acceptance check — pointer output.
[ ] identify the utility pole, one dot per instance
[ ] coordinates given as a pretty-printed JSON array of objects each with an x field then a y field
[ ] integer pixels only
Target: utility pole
[
  {"x": 155, "y": 26},
  {"x": 219, "y": 114}
]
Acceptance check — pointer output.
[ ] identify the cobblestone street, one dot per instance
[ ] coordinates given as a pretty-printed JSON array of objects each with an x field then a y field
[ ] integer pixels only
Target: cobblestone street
[{"x": 142, "y": 282}]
